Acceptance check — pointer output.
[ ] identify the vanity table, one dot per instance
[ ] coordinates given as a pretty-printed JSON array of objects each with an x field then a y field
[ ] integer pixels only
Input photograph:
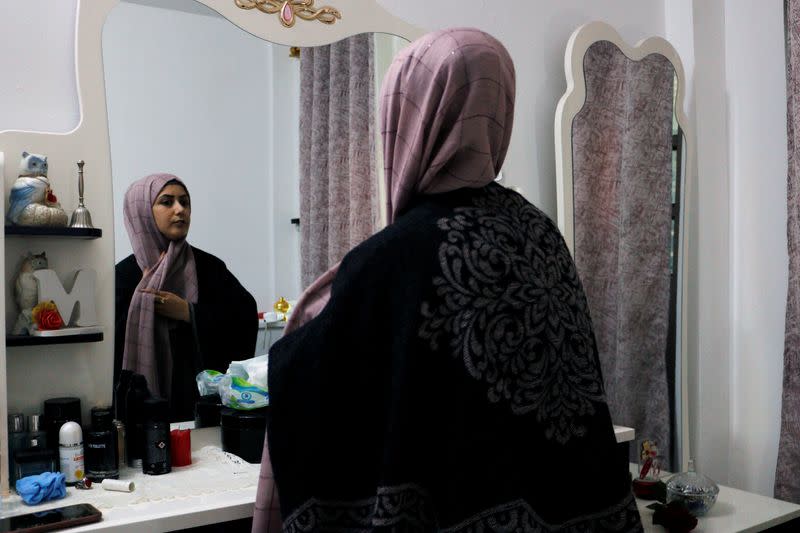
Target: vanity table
[
  {"x": 216, "y": 487},
  {"x": 735, "y": 510},
  {"x": 223, "y": 488}
]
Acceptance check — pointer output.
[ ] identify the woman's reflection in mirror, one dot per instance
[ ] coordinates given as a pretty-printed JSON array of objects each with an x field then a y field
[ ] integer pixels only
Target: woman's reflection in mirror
[{"x": 179, "y": 310}]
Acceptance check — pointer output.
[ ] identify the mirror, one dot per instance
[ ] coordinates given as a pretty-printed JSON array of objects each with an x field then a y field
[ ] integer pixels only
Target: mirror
[
  {"x": 621, "y": 180},
  {"x": 191, "y": 94}
]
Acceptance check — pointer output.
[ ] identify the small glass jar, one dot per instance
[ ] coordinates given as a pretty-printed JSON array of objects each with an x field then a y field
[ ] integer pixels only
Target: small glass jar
[{"x": 696, "y": 491}]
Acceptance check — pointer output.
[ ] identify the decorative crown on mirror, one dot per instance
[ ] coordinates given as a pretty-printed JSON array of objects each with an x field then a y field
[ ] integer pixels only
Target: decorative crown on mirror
[{"x": 289, "y": 10}]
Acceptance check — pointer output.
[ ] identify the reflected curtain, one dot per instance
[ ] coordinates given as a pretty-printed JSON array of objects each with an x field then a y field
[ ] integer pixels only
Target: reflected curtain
[
  {"x": 338, "y": 180},
  {"x": 787, "y": 482},
  {"x": 622, "y": 159}
]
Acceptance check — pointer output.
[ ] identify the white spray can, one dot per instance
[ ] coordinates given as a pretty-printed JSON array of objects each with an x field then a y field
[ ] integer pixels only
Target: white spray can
[{"x": 70, "y": 452}]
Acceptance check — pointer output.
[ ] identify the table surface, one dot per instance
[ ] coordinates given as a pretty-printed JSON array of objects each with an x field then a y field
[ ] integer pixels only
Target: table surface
[
  {"x": 735, "y": 510},
  {"x": 222, "y": 487},
  {"x": 157, "y": 504}
]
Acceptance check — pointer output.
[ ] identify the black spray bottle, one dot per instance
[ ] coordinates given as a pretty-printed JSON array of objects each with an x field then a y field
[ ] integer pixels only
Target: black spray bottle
[
  {"x": 156, "y": 456},
  {"x": 134, "y": 410},
  {"x": 101, "y": 446}
]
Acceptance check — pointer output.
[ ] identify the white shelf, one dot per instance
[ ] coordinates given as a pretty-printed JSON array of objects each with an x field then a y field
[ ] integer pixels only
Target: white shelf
[
  {"x": 624, "y": 434},
  {"x": 64, "y": 332}
]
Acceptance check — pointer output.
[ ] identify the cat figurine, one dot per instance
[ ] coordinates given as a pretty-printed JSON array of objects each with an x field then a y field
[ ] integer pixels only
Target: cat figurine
[
  {"x": 26, "y": 291},
  {"x": 30, "y": 187}
]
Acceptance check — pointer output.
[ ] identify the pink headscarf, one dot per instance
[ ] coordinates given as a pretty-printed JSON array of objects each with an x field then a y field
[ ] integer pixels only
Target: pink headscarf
[
  {"x": 447, "y": 111},
  {"x": 147, "y": 348}
]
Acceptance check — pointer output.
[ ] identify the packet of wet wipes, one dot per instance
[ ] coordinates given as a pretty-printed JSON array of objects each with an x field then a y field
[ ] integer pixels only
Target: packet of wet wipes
[
  {"x": 208, "y": 382},
  {"x": 253, "y": 370},
  {"x": 238, "y": 393}
]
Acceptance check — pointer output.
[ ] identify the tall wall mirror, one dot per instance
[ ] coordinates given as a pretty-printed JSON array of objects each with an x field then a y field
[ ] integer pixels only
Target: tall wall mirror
[{"x": 622, "y": 152}]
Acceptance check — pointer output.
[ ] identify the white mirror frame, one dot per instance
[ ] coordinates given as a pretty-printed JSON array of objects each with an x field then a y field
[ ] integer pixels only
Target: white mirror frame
[
  {"x": 568, "y": 107},
  {"x": 89, "y": 363}
]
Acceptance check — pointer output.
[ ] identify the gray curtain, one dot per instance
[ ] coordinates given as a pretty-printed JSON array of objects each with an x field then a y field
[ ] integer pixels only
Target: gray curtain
[
  {"x": 787, "y": 482},
  {"x": 338, "y": 180},
  {"x": 622, "y": 158}
]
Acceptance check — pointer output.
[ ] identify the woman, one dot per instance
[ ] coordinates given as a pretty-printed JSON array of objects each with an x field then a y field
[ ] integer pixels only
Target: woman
[
  {"x": 447, "y": 379},
  {"x": 187, "y": 312}
]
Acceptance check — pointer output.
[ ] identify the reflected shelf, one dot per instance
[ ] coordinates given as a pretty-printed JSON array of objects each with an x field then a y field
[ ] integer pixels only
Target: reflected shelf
[
  {"x": 47, "y": 231},
  {"x": 29, "y": 340}
]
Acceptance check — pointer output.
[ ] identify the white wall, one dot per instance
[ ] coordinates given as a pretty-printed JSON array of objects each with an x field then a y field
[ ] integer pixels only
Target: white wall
[
  {"x": 285, "y": 156},
  {"x": 697, "y": 29},
  {"x": 756, "y": 84},
  {"x": 738, "y": 108}
]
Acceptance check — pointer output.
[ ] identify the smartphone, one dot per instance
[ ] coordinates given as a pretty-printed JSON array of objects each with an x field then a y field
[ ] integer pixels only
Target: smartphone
[{"x": 51, "y": 519}]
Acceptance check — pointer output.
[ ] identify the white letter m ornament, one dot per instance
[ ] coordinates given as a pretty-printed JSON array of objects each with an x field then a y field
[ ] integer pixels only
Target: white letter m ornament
[{"x": 76, "y": 307}]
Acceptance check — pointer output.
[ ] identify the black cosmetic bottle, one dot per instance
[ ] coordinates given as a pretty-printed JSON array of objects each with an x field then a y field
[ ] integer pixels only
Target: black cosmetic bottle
[
  {"x": 156, "y": 459},
  {"x": 100, "y": 446},
  {"x": 134, "y": 411},
  {"x": 57, "y": 412},
  {"x": 123, "y": 384}
]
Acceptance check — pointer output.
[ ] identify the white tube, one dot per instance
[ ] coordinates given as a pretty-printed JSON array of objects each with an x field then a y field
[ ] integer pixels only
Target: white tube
[{"x": 118, "y": 485}]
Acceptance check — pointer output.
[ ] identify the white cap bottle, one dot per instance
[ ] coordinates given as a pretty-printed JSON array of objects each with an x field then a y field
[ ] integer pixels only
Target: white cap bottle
[{"x": 70, "y": 452}]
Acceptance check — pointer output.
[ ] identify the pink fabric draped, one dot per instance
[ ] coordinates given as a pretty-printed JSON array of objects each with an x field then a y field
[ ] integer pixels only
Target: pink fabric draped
[
  {"x": 447, "y": 110},
  {"x": 166, "y": 265}
]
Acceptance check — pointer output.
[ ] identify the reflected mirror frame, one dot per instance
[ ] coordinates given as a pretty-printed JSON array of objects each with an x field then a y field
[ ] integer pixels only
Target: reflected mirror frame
[
  {"x": 568, "y": 107},
  {"x": 353, "y": 17}
]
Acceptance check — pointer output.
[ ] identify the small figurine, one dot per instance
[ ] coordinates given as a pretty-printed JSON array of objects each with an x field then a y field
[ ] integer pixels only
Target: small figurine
[
  {"x": 26, "y": 291},
  {"x": 32, "y": 202},
  {"x": 282, "y": 308},
  {"x": 30, "y": 187},
  {"x": 648, "y": 485},
  {"x": 648, "y": 460}
]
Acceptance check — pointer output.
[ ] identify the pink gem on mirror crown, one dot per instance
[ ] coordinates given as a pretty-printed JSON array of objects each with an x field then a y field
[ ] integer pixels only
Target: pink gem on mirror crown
[{"x": 287, "y": 14}]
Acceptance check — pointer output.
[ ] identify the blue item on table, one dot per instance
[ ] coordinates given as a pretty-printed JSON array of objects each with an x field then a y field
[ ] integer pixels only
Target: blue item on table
[{"x": 41, "y": 488}]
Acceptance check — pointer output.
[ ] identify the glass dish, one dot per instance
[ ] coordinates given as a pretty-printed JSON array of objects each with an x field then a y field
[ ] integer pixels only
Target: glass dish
[{"x": 696, "y": 491}]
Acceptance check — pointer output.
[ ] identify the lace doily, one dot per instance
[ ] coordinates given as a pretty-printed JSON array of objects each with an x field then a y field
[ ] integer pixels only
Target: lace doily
[{"x": 212, "y": 472}]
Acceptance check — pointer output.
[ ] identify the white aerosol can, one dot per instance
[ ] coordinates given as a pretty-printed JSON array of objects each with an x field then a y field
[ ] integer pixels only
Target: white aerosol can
[{"x": 70, "y": 452}]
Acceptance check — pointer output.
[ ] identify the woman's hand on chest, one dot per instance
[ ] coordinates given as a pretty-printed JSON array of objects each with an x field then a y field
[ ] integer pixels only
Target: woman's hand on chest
[{"x": 170, "y": 305}]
